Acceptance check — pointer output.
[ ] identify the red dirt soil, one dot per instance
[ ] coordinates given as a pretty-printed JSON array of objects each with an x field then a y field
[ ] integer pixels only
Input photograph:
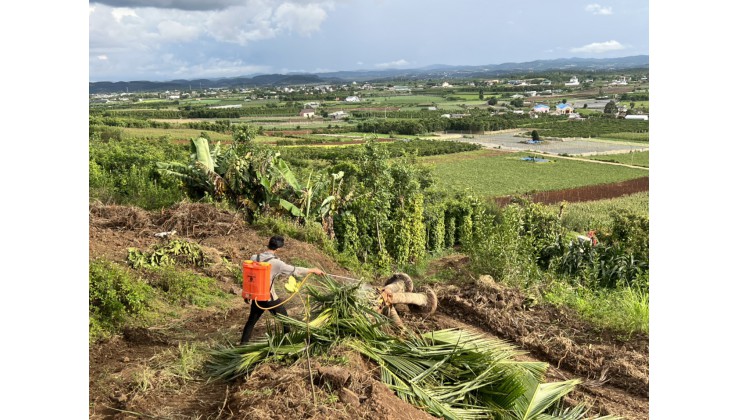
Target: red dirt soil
[
  {"x": 613, "y": 369},
  {"x": 587, "y": 193}
]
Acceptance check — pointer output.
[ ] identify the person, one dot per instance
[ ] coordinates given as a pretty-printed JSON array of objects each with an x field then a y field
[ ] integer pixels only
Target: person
[{"x": 278, "y": 268}]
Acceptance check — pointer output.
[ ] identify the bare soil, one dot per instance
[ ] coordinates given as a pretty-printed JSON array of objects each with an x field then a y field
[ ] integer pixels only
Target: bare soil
[
  {"x": 613, "y": 369},
  {"x": 587, "y": 193}
]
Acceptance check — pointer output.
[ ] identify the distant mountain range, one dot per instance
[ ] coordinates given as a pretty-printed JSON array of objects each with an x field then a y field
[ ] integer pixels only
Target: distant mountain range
[{"x": 435, "y": 71}]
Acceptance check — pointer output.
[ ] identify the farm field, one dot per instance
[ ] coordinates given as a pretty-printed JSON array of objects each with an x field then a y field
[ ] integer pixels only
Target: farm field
[
  {"x": 178, "y": 135},
  {"x": 493, "y": 175},
  {"x": 582, "y": 216}
]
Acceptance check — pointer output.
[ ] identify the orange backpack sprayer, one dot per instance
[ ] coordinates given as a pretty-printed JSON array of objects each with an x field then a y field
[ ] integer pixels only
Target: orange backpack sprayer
[{"x": 256, "y": 280}]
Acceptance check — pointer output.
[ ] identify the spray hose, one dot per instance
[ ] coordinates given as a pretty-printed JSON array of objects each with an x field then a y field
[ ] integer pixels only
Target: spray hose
[{"x": 298, "y": 289}]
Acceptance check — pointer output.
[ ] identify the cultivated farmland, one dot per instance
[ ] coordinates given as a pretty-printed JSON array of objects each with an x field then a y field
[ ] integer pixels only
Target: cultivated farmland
[
  {"x": 365, "y": 195},
  {"x": 494, "y": 175}
]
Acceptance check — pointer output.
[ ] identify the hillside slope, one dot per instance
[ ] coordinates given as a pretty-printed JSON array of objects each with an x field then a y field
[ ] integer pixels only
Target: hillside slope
[{"x": 132, "y": 374}]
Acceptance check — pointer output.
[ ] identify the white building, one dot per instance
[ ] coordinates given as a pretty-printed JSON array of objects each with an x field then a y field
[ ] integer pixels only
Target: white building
[
  {"x": 573, "y": 82},
  {"x": 352, "y": 99},
  {"x": 636, "y": 117},
  {"x": 338, "y": 115}
]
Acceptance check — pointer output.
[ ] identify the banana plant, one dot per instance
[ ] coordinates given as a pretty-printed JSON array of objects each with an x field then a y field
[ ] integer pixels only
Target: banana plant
[
  {"x": 200, "y": 174},
  {"x": 304, "y": 208}
]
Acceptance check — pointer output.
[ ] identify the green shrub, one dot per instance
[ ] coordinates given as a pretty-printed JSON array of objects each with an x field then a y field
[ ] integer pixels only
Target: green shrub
[
  {"x": 310, "y": 232},
  {"x": 503, "y": 252},
  {"x": 114, "y": 296}
]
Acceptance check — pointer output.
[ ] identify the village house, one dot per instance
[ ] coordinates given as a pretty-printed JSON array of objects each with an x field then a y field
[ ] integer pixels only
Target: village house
[
  {"x": 307, "y": 113},
  {"x": 562, "y": 109},
  {"x": 573, "y": 82},
  {"x": 541, "y": 109},
  {"x": 352, "y": 99}
]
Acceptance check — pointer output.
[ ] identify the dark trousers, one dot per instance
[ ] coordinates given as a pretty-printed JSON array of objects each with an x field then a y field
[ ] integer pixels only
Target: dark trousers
[{"x": 255, "y": 313}]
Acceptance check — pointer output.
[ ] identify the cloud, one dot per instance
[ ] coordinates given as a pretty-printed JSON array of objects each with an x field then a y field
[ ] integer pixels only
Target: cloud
[
  {"x": 102, "y": 57},
  {"x": 599, "y": 47},
  {"x": 136, "y": 35},
  {"x": 120, "y": 13},
  {"x": 393, "y": 64},
  {"x": 219, "y": 68},
  {"x": 598, "y": 9},
  {"x": 173, "y": 4},
  {"x": 302, "y": 19},
  {"x": 171, "y": 31}
]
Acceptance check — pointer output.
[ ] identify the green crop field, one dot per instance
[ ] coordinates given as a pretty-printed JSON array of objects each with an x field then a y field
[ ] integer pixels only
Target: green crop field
[
  {"x": 583, "y": 216},
  {"x": 491, "y": 175},
  {"x": 173, "y": 133},
  {"x": 408, "y": 99},
  {"x": 634, "y": 158}
]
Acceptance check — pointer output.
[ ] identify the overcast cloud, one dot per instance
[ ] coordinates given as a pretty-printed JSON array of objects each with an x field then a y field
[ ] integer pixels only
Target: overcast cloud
[{"x": 169, "y": 39}]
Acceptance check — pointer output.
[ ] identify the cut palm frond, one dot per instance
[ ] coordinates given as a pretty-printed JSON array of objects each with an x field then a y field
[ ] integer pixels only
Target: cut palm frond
[{"x": 451, "y": 373}]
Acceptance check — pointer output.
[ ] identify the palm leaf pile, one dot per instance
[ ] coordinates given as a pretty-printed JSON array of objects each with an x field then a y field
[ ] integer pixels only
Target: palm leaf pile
[{"x": 451, "y": 373}]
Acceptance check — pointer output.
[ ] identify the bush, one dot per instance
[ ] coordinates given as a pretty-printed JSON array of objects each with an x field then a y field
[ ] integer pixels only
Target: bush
[{"x": 114, "y": 297}]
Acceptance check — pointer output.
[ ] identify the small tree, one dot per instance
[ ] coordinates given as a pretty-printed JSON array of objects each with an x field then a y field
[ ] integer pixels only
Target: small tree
[
  {"x": 535, "y": 135},
  {"x": 565, "y": 101},
  {"x": 610, "y": 108},
  {"x": 492, "y": 101},
  {"x": 480, "y": 94}
]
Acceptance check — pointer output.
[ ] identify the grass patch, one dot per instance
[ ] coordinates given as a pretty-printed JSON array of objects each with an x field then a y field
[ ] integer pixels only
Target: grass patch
[
  {"x": 183, "y": 287},
  {"x": 632, "y": 158},
  {"x": 626, "y": 310},
  {"x": 633, "y": 137}
]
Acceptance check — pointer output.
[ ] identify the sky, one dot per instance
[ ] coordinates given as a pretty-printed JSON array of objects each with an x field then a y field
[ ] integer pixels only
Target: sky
[{"x": 189, "y": 39}]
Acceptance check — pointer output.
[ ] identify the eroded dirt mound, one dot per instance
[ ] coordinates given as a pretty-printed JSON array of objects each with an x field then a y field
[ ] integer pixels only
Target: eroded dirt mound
[
  {"x": 198, "y": 220},
  {"x": 118, "y": 217},
  {"x": 555, "y": 335},
  {"x": 347, "y": 391}
]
